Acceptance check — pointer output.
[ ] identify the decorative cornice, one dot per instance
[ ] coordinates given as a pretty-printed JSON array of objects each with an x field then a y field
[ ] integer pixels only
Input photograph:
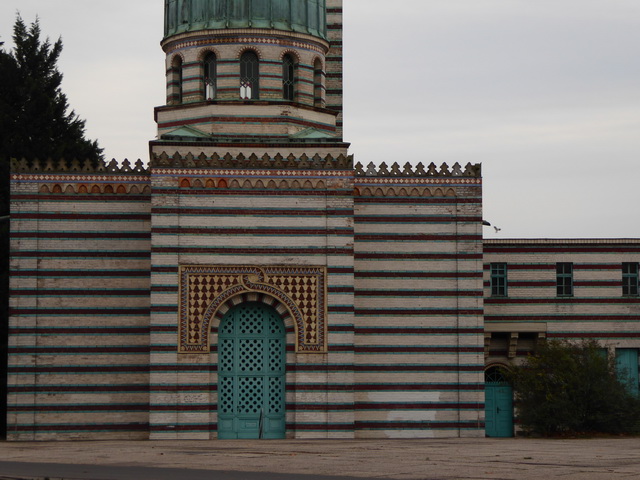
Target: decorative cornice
[
  {"x": 472, "y": 171},
  {"x": 244, "y": 36},
  {"x": 163, "y": 161},
  {"x": 253, "y": 162}
]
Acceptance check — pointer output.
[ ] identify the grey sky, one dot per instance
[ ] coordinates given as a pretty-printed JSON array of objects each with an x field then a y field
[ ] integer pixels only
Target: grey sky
[{"x": 544, "y": 93}]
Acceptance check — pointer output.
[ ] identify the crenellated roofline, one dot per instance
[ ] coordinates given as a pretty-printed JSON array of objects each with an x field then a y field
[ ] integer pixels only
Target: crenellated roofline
[{"x": 240, "y": 161}]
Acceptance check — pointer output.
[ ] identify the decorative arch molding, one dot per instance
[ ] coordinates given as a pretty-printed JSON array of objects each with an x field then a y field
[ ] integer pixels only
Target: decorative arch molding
[
  {"x": 176, "y": 60},
  {"x": 252, "y": 49},
  {"x": 293, "y": 53},
  {"x": 204, "y": 51},
  {"x": 216, "y": 313},
  {"x": 493, "y": 370},
  {"x": 208, "y": 291}
]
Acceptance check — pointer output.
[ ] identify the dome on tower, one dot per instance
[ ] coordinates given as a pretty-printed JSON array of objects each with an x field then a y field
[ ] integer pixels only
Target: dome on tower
[{"x": 301, "y": 16}]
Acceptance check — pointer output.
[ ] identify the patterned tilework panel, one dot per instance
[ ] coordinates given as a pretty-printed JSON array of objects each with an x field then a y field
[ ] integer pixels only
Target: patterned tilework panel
[
  {"x": 204, "y": 289},
  {"x": 418, "y": 305},
  {"x": 79, "y": 320}
]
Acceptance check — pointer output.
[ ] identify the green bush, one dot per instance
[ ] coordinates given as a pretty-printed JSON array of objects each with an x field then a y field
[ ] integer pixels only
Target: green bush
[{"x": 572, "y": 388}]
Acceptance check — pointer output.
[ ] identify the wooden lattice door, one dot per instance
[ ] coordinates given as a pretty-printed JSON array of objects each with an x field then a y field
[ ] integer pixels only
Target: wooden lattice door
[{"x": 251, "y": 373}]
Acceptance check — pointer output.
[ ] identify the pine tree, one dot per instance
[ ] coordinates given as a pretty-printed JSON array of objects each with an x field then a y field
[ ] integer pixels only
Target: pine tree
[
  {"x": 34, "y": 113},
  {"x": 569, "y": 388}
]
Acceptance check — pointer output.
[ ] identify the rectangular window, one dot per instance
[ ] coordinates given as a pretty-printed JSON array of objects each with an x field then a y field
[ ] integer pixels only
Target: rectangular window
[
  {"x": 498, "y": 279},
  {"x": 564, "y": 279},
  {"x": 630, "y": 279}
]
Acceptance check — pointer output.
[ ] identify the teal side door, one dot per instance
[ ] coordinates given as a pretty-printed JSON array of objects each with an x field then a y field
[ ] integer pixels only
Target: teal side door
[
  {"x": 627, "y": 368},
  {"x": 498, "y": 401},
  {"x": 251, "y": 373}
]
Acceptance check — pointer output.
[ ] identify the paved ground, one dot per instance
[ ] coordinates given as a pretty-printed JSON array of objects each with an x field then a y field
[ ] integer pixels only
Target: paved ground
[{"x": 462, "y": 459}]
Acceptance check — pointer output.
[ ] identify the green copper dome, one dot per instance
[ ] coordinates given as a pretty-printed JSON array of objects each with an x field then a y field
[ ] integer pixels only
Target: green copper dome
[{"x": 302, "y": 16}]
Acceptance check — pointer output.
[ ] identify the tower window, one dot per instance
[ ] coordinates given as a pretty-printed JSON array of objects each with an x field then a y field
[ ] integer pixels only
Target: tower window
[
  {"x": 249, "y": 76},
  {"x": 318, "y": 88},
  {"x": 564, "y": 279},
  {"x": 630, "y": 279},
  {"x": 210, "y": 76},
  {"x": 288, "y": 78},
  {"x": 498, "y": 279},
  {"x": 175, "y": 86}
]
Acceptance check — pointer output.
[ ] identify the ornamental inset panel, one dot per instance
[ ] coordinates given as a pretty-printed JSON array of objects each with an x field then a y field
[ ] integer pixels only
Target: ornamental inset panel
[{"x": 205, "y": 289}]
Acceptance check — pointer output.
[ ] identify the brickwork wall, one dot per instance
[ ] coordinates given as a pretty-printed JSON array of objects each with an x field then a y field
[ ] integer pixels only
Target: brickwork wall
[
  {"x": 418, "y": 305},
  {"x": 597, "y": 309},
  {"x": 333, "y": 67},
  {"x": 253, "y": 218},
  {"x": 79, "y": 307}
]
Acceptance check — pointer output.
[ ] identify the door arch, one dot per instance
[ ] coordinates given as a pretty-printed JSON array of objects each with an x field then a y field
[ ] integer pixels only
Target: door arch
[
  {"x": 251, "y": 373},
  {"x": 498, "y": 402}
]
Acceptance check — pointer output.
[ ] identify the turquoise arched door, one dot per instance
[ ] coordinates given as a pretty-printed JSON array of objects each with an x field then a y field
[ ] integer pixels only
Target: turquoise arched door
[
  {"x": 498, "y": 402},
  {"x": 251, "y": 373}
]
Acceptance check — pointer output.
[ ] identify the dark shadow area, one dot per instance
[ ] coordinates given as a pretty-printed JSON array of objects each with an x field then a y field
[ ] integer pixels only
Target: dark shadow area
[
  {"x": 112, "y": 472},
  {"x": 4, "y": 293}
]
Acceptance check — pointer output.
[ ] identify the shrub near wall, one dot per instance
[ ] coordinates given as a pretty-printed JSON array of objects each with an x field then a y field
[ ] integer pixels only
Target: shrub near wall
[{"x": 567, "y": 388}]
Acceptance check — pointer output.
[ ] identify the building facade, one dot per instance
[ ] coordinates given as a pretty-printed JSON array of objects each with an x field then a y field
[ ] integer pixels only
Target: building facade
[
  {"x": 537, "y": 289},
  {"x": 250, "y": 281}
]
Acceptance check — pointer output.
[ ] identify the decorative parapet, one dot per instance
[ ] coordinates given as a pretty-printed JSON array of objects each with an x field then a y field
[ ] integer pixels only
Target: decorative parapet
[
  {"x": 242, "y": 162},
  {"x": 253, "y": 162},
  {"x": 472, "y": 171},
  {"x": 75, "y": 166}
]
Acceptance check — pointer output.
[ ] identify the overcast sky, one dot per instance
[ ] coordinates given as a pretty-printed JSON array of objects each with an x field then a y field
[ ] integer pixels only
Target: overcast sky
[{"x": 544, "y": 93}]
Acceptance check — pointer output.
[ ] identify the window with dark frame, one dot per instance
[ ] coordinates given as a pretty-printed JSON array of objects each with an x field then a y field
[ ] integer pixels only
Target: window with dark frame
[
  {"x": 288, "y": 78},
  {"x": 210, "y": 76},
  {"x": 249, "y": 76},
  {"x": 564, "y": 279},
  {"x": 176, "y": 71},
  {"x": 630, "y": 279},
  {"x": 318, "y": 92},
  {"x": 498, "y": 279}
]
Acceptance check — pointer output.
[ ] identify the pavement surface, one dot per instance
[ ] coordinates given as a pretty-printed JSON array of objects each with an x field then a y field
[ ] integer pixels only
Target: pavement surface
[{"x": 432, "y": 459}]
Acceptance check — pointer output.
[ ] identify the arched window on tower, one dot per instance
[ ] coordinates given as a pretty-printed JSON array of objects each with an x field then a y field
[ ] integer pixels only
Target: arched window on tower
[
  {"x": 210, "y": 76},
  {"x": 249, "y": 76},
  {"x": 175, "y": 85},
  {"x": 288, "y": 78},
  {"x": 318, "y": 84}
]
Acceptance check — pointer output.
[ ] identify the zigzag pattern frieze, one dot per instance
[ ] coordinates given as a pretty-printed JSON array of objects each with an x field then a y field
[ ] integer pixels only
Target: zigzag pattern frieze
[
  {"x": 253, "y": 173},
  {"x": 389, "y": 181},
  {"x": 56, "y": 178}
]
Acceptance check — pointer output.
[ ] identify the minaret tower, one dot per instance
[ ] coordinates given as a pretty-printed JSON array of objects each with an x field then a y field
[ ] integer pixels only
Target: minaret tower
[{"x": 250, "y": 77}]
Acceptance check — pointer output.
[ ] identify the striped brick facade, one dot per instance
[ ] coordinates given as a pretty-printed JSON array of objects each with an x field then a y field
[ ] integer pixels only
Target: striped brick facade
[
  {"x": 79, "y": 306},
  {"x": 533, "y": 309},
  {"x": 97, "y": 344},
  {"x": 333, "y": 69},
  {"x": 284, "y": 218},
  {"x": 97, "y": 339},
  {"x": 418, "y": 254},
  {"x": 122, "y": 275}
]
